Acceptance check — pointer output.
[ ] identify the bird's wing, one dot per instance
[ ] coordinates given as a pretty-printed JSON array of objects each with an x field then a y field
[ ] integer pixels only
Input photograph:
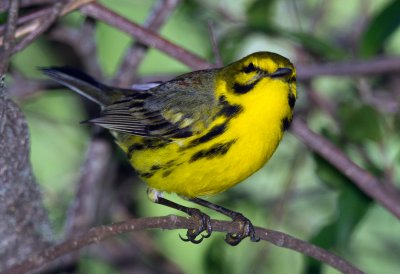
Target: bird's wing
[{"x": 178, "y": 108}]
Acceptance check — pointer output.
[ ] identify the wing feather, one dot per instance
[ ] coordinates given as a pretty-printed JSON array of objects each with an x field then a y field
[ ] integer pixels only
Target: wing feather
[{"x": 178, "y": 108}]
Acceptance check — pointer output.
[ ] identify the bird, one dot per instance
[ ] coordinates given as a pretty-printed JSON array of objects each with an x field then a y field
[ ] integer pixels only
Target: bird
[{"x": 200, "y": 133}]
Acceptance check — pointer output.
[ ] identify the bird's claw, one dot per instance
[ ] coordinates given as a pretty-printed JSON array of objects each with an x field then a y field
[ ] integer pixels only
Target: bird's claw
[
  {"x": 204, "y": 224},
  {"x": 246, "y": 230}
]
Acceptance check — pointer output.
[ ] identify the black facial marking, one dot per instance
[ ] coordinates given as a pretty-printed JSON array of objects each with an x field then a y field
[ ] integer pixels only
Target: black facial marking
[
  {"x": 286, "y": 123},
  {"x": 249, "y": 68},
  {"x": 228, "y": 110},
  {"x": 216, "y": 150},
  {"x": 291, "y": 100},
  {"x": 242, "y": 89}
]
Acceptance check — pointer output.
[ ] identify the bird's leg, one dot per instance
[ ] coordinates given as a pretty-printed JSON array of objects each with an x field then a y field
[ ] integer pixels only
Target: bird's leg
[
  {"x": 246, "y": 227},
  {"x": 201, "y": 218}
]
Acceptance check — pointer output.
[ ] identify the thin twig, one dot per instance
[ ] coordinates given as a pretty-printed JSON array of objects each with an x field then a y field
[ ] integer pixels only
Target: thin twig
[
  {"x": 362, "y": 178},
  {"x": 95, "y": 170},
  {"x": 29, "y": 17},
  {"x": 379, "y": 65},
  {"x": 4, "y": 5},
  {"x": 34, "y": 21},
  {"x": 214, "y": 45},
  {"x": 170, "y": 222},
  {"x": 7, "y": 47},
  {"x": 135, "y": 54},
  {"x": 41, "y": 27},
  {"x": 96, "y": 10},
  {"x": 83, "y": 43},
  {"x": 84, "y": 208}
]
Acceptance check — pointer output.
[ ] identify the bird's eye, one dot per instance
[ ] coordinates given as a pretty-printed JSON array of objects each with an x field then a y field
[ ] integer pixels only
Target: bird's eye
[{"x": 249, "y": 68}]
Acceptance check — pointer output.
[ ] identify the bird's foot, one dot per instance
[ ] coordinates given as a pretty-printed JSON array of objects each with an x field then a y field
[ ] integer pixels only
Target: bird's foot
[
  {"x": 204, "y": 225},
  {"x": 246, "y": 229}
]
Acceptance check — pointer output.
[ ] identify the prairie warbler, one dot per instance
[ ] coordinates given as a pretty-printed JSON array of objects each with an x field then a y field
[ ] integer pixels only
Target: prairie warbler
[{"x": 200, "y": 133}]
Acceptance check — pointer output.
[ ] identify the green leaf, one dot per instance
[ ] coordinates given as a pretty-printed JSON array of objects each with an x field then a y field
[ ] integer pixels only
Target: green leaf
[
  {"x": 381, "y": 27},
  {"x": 352, "y": 206},
  {"x": 361, "y": 123},
  {"x": 3, "y": 17},
  {"x": 316, "y": 45},
  {"x": 214, "y": 259},
  {"x": 328, "y": 174},
  {"x": 230, "y": 43},
  {"x": 260, "y": 13}
]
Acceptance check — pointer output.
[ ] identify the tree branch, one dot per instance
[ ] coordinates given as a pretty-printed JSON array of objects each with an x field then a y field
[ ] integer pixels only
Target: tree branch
[
  {"x": 134, "y": 55},
  {"x": 143, "y": 35},
  {"x": 42, "y": 26},
  {"x": 24, "y": 226},
  {"x": 100, "y": 233},
  {"x": 83, "y": 43},
  {"x": 4, "y": 5},
  {"x": 38, "y": 22},
  {"x": 362, "y": 178},
  {"x": 379, "y": 65},
  {"x": 7, "y": 47},
  {"x": 95, "y": 170}
]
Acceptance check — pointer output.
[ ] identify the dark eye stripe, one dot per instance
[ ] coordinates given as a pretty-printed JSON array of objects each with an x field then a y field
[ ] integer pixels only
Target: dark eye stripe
[
  {"x": 242, "y": 89},
  {"x": 249, "y": 68}
]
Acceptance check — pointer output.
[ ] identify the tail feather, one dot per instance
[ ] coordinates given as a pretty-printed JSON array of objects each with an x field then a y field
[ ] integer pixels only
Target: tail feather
[{"x": 81, "y": 83}]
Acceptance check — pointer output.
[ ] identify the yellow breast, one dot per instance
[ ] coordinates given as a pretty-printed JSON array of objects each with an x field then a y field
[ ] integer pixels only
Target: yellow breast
[{"x": 230, "y": 150}]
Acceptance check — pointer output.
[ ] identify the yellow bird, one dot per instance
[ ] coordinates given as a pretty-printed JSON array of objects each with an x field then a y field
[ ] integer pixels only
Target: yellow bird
[{"x": 200, "y": 133}]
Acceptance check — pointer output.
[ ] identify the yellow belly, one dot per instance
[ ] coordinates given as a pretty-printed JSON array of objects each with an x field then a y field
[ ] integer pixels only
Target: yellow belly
[
  {"x": 214, "y": 166},
  {"x": 172, "y": 169}
]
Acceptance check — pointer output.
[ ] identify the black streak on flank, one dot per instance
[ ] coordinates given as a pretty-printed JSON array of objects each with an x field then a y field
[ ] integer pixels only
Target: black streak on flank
[
  {"x": 211, "y": 134},
  {"x": 216, "y": 150},
  {"x": 183, "y": 133},
  {"x": 286, "y": 123},
  {"x": 147, "y": 143},
  {"x": 166, "y": 173},
  {"x": 146, "y": 174},
  {"x": 155, "y": 167},
  {"x": 291, "y": 100}
]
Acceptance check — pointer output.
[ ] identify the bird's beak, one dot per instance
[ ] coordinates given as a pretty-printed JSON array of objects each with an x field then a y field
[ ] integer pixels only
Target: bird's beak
[{"x": 281, "y": 72}]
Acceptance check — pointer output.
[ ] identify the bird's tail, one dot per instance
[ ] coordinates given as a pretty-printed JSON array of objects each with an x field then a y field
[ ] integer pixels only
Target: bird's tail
[{"x": 83, "y": 84}]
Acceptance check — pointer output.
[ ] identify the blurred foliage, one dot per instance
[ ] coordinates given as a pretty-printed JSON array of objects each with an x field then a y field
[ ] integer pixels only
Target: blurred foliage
[
  {"x": 297, "y": 192},
  {"x": 382, "y": 25}
]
